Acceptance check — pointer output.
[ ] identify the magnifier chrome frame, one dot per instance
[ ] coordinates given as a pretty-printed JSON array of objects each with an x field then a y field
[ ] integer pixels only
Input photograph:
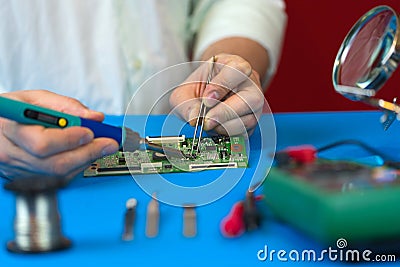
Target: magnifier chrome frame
[{"x": 365, "y": 91}]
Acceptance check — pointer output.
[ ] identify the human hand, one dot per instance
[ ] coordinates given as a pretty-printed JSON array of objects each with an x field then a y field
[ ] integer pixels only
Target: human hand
[
  {"x": 32, "y": 150},
  {"x": 234, "y": 98}
]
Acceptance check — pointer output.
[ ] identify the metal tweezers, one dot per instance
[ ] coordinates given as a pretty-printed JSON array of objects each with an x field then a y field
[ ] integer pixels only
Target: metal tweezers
[{"x": 202, "y": 112}]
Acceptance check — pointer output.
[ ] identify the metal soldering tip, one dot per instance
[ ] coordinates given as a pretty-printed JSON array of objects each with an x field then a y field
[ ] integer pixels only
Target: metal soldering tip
[
  {"x": 131, "y": 203},
  {"x": 129, "y": 219},
  {"x": 132, "y": 140}
]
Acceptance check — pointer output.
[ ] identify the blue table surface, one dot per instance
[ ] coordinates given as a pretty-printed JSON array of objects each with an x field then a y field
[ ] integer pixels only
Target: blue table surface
[{"x": 92, "y": 209}]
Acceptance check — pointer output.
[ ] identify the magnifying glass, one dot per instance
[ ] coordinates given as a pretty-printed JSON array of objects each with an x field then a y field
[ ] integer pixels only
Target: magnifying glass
[{"x": 368, "y": 56}]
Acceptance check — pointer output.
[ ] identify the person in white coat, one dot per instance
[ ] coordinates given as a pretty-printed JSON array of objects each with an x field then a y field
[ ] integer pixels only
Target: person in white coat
[{"x": 71, "y": 55}]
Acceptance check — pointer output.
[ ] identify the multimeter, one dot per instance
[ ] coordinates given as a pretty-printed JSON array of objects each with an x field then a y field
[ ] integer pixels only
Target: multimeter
[{"x": 329, "y": 200}]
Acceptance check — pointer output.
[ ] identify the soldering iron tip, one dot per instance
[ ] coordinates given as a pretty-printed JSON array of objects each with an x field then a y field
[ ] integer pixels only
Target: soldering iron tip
[
  {"x": 131, "y": 203},
  {"x": 132, "y": 140}
]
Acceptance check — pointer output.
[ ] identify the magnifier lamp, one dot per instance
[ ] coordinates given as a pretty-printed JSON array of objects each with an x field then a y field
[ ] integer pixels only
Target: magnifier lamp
[{"x": 368, "y": 56}]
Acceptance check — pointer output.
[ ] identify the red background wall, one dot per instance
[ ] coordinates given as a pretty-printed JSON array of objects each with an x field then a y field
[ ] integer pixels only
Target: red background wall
[{"x": 314, "y": 33}]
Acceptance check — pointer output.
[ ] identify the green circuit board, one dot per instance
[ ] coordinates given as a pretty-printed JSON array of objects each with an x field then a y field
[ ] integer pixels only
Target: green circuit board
[{"x": 218, "y": 152}]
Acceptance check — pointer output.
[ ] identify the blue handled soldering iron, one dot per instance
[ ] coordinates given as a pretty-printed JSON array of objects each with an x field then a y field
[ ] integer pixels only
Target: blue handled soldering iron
[{"x": 129, "y": 140}]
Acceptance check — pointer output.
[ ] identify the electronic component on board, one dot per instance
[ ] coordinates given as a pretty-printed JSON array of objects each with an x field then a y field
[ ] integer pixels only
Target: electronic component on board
[{"x": 166, "y": 139}]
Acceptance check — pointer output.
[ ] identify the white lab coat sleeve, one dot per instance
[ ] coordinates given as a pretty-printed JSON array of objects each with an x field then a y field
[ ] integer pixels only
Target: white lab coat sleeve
[{"x": 263, "y": 21}]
